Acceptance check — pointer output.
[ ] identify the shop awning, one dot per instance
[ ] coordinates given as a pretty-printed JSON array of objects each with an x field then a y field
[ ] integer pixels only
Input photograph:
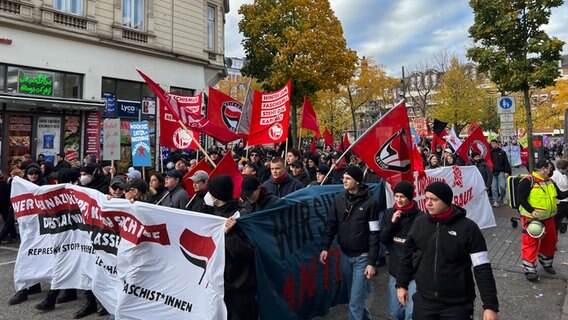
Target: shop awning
[{"x": 47, "y": 102}]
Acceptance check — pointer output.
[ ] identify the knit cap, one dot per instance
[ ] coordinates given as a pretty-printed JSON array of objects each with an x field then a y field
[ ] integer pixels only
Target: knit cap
[
  {"x": 221, "y": 187},
  {"x": 405, "y": 188},
  {"x": 441, "y": 190},
  {"x": 355, "y": 173}
]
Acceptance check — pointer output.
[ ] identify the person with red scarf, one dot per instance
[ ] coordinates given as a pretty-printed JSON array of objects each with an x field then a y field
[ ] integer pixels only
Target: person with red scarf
[
  {"x": 395, "y": 226},
  {"x": 280, "y": 183},
  {"x": 444, "y": 250}
]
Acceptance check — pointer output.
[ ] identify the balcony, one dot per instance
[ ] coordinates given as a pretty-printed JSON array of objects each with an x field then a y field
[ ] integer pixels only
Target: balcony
[
  {"x": 67, "y": 21},
  {"x": 20, "y": 10}
]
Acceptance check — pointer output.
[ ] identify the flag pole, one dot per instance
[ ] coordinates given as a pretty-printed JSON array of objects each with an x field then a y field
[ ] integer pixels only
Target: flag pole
[
  {"x": 359, "y": 138},
  {"x": 198, "y": 144},
  {"x": 300, "y": 139},
  {"x": 247, "y": 150}
]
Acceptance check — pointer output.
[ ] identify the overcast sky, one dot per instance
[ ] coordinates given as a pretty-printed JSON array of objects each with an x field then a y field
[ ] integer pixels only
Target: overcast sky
[{"x": 399, "y": 33}]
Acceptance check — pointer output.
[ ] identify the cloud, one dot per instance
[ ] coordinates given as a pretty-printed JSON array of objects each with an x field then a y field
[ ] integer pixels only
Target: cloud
[{"x": 400, "y": 33}]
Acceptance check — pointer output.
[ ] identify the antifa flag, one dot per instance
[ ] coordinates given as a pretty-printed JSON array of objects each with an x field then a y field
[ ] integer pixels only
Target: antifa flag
[
  {"x": 228, "y": 166},
  {"x": 344, "y": 143},
  {"x": 309, "y": 118},
  {"x": 201, "y": 165},
  {"x": 172, "y": 135},
  {"x": 476, "y": 142},
  {"x": 197, "y": 249},
  {"x": 223, "y": 111},
  {"x": 439, "y": 128},
  {"x": 270, "y": 116},
  {"x": 327, "y": 138},
  {"x": 386, "y": 147}
]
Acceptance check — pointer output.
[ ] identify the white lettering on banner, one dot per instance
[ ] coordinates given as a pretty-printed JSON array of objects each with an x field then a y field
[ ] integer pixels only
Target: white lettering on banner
[
  {"x": 267, "y": 121},
  {"x": 275, "y": 95},
  {"x": 93, "y": 243},
  {"x": 274, "y": 104},
  {"x": 468, "y": 188}
]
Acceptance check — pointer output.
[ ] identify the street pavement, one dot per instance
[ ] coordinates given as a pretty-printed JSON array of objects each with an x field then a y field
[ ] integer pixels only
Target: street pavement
[{"x": 519, "y": 299}]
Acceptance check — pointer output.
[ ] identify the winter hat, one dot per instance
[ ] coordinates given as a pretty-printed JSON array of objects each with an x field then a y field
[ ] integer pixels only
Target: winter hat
[
  {"x": 138, "y": 184},
  {"x": 405, "y": 188},
  {"x": 323, "y": 169},
  {"x": 33, "y": 168},
  {"x": 174, "y": 174},
  {"x": 355, "y": 173},
  {"x": 221, "y": 187},
  {"x": 134, "y": 174},
  {"x": 249, "y": 185},
  {"x": 441, "y": 190}
]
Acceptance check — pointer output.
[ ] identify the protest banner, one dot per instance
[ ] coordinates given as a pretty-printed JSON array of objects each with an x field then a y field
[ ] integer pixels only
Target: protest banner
[
  {"x": 140, "y": 140},
  {"x": 142, "y": 261},
  {"x": 292, "y": 283},
  {"x": 469, "y": 191}
]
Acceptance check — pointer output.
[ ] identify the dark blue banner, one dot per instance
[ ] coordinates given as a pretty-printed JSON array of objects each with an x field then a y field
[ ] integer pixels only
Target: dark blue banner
[{"x": 292, "y": 283}]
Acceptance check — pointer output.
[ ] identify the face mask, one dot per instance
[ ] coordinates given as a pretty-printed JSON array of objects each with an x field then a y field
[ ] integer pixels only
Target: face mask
[
  {"x": 85, "y": 180},
  {"x": 240, "y": 167},
  {"x": 208, "y": 199}
]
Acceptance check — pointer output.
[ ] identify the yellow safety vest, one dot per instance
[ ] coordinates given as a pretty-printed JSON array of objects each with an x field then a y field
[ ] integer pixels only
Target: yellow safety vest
[{"x": 542, "y": 198}]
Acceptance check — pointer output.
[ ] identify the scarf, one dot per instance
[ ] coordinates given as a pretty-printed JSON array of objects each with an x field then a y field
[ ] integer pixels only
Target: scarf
[
  {"x": 281, "y": 179},
  {"x": 443, "y": 215},
  {"x": 405, "y": 208}
]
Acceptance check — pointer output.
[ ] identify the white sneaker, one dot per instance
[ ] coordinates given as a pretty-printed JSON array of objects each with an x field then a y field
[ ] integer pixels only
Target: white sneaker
[{"x": 495, "y": 204}]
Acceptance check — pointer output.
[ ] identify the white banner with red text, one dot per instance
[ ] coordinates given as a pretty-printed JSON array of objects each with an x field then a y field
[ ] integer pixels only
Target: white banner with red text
[
  {"x": 469, "y": 191},
  {"x": 142, "y": 261}
]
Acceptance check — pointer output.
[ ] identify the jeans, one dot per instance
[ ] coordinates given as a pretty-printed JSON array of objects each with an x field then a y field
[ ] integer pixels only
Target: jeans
[
  {"x": 358, "y": 286},
  {"x": 397, "y": 311},
  {"x": 499, "y": 187}
]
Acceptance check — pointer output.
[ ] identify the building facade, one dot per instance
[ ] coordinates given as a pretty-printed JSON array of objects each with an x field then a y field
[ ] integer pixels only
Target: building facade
[{"x": 66, "y": 65}]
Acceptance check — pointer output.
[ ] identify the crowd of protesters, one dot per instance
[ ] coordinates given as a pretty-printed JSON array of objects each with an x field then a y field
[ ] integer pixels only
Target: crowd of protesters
[{"x": 269, "y": 173}]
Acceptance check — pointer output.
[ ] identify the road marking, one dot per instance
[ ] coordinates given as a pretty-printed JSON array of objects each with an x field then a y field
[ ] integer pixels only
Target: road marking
[
  {"x": 7, "y": 263},
  {"x": 9, "y": 249}
]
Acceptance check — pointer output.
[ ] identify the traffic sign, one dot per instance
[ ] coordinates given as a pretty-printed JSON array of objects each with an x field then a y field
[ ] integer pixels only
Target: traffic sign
[
  {"x": 507, "y": 125},
  {"x": 506, "y": 105},
  {"x": 507, "y": 117},
  {"x": 508, "y": 132}
]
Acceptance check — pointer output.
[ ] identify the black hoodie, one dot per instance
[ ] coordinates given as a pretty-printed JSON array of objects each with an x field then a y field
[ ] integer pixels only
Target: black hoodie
[{"x": 444, "y": 273}]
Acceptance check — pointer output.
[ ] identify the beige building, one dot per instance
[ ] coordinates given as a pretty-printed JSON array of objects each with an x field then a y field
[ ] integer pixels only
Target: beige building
[{"x": 66, "y": 65}]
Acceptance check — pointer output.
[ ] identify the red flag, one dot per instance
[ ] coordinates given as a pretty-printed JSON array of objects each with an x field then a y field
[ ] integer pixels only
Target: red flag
[
  {"x": 313, "y": 146},
  {"x": 440, "y": 132},
  {"x": 387, "y": 146},
  {"x": 172, "y": 135},
  {"x": 309, "y": 118},
  {"x": 476, "y": 142},
  {"x": 472, "y": 127},
  {"x": 344, "y": 142},
  {"x": 327, "y": 138},
  {"x": 417, "y": 164},
  {"x": 197, "y": 249},
  {"x": 228, "y": 166},
  {"x": 223, "y": 111},
  {"x": 270, "y": 114},
  {"x": 201, "y": 165}
]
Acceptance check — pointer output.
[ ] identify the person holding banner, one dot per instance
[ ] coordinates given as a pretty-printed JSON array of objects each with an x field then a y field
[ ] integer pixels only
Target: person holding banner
[
  {"x": 447, "y": 245},
  {"x": 396, "y": 224},
  {"x": 157, "y": 188},
  {"x": 354, "y": 219},
  {"x": 136, "y": 190},
  {"x": 240, "y": 275},
  {"x": 256, "y": 196},
  {"x": 177, "y": 196},
  {"x": 197, "y": 203}
]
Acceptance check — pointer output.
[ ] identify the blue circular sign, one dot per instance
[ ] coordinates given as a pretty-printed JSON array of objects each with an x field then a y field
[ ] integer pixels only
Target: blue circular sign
[{"x": 506, "y": 103}]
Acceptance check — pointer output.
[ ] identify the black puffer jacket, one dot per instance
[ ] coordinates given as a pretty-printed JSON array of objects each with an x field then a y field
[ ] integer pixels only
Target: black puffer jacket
[
  {"x": 444, "y": 273},
  {"x": 393, "y": 235},
  {"x": 239, "y": 252},
  {"x": 283, "y": 188},
  {"x": 349, "y": 218},
  {"x": 197, "y": 203},
  {"x": 500, "y": 161}
]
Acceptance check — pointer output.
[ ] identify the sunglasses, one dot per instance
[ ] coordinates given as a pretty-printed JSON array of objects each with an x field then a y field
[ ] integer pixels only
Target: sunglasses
[
  {"x": 254, "y": 154},
  {"x": 35, "y": 173},
  {"x": 116, "y": 188}
]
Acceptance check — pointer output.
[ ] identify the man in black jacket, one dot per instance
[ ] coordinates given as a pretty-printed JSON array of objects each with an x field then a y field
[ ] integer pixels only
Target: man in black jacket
[
  {"x": 239, "y": 275},
  {"x": 354, "y": 218},
  {"x": 280, "y": 183},
  {"x": 501, "y": 170},
  {"x": 197, "y": 203},
  {"x": 449, "y": 245},
  {"x": 256, "y": 196},
  {"x": 395, "y": 226}
]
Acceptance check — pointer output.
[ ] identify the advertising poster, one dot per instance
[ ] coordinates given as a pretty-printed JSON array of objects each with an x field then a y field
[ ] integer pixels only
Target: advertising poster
[
  {"x": 140, "y": 140},
  {"x": 148, "y": 107},
  {"x": 111, "y": 139},
  {"x": 19, "y": 138},
  {"x": 127, "y": 108},
  {"x": 93, "y": 133},
  {"x": 110, "y": 103},
  {"x": 71, "y": 138},
  {"x": 48, "y": 137}
]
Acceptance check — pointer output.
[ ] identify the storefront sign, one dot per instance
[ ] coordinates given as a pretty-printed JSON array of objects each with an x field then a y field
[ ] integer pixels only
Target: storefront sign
[
  {"x": 71, "y": 139},
  {"x": 48, "y": 137},
  {"x": 111, "y": 139},
  {"x": 127, "y": 108},
  {"x": 19, "y": 139},
  {"x": 35, "y": 82},
  {"x": 140, "y": 140},
  {"x": 110, "y": 104},
  {"x": 92, "y": 134}
]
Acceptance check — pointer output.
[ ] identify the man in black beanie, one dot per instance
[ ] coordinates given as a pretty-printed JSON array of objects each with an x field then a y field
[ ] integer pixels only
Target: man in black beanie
[
  {"x": 354, "y": 218},
  {"x": 240, "y": 275},
  {"x": 448, "y": 245}
]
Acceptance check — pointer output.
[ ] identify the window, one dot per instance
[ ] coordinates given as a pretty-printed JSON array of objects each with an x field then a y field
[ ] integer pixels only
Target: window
[
  {"x": 2, "y": 77},
  {"x": 133, "y": 14},
  {"x": 211, "y": 28},
  {"x": 43, "y": 82},
  {"x": 70, "y": 6},
  {"x": 128, "y": 90},
  {"x": 182, "y": 91}
]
